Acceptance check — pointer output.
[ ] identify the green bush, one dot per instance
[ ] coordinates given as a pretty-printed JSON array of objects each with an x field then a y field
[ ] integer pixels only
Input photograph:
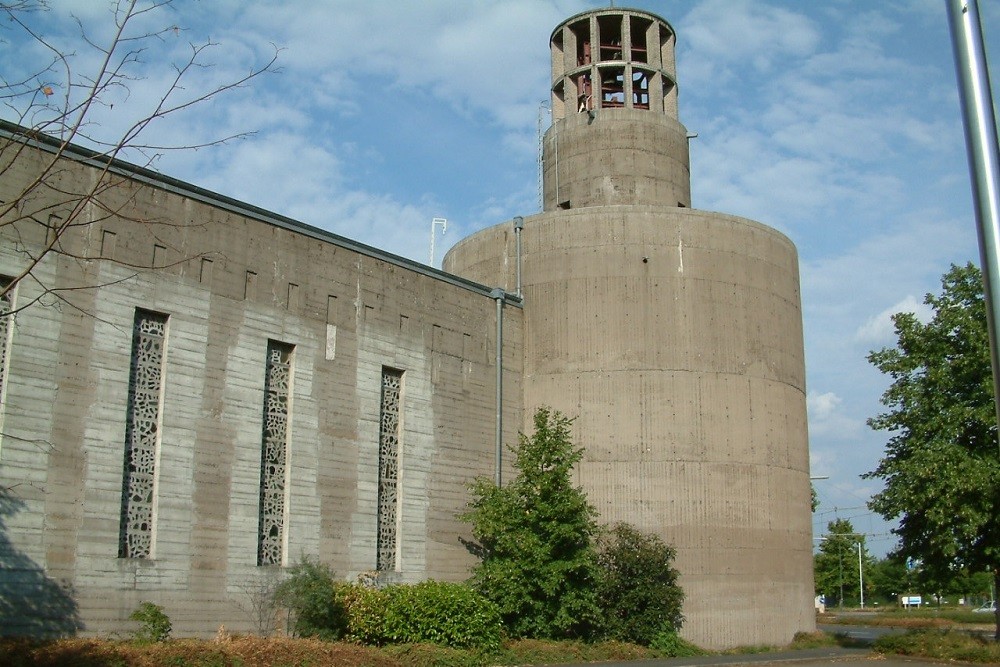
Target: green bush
[
  {"x": 154, "y": 624},
  {"x": 434, "y": 612},
  {"x": 365, "y": 614},
  {"x": 315, "y": 601},
  {"x": 670, "y": 644},
  {"x": 638, "y": 592},
  {"x": 536, "y": 539}
]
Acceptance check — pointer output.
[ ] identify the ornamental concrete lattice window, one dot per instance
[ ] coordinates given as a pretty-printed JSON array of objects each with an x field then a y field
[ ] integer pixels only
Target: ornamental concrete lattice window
[
  {"x": 142, "y": 434},
  {"x": 6, "y": 334},
  {"x": 274, "y": 454},
  {"x": 388, "y": 469}
]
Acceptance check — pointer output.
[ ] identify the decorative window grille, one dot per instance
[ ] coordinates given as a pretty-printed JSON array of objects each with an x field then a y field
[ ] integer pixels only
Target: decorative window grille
[
  {"x": 142, "y": 434},
  {"x": 388, "y": 469},
  {"x": 6, "y": 333},
  {"x": 274, "y": 453}
]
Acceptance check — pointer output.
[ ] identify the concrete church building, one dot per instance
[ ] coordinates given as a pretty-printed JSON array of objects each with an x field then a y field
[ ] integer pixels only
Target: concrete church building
[{"x": 229, "y": 390}]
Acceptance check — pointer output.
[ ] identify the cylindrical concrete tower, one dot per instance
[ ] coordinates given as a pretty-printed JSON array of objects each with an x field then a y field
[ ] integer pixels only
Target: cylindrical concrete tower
[{"x": 673, "y": 335}]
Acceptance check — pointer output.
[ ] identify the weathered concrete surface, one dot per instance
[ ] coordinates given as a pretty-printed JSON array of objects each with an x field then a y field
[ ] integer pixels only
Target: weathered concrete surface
[
  {"x": 229, "y": 281},
  {"x": 673, "y": 335}
]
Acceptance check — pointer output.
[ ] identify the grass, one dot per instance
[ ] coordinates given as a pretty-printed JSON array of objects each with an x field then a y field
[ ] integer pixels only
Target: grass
[
  {"x": 942, "y": 645},
  {"x": 912, "y": 618}
]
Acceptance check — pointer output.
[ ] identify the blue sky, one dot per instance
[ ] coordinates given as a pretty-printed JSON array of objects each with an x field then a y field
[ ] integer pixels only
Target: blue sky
[{"x": 836, "y": 122}]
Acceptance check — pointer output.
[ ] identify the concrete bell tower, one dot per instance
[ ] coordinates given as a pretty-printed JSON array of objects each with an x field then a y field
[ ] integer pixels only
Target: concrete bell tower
[
  {"x": 616, "y": 66},
  {"x": 673, "y": 335}
]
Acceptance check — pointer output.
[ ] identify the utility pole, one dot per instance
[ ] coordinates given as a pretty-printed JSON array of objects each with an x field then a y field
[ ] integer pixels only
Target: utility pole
[{"x": 861, "y": 578}]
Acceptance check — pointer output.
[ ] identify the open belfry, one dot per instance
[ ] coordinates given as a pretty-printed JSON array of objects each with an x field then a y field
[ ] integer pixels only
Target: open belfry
[
  {"x": 673, "y": 335},
  {"x": 196, "y": 394}
]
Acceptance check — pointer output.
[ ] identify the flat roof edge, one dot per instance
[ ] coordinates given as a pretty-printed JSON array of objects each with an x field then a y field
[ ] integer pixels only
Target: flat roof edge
[{"x": 28, "y": 136}]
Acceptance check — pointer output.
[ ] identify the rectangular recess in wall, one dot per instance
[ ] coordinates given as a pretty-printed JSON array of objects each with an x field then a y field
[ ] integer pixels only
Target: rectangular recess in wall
[
  {"x": 205, "y": 276},
  {"x": 159, "y": 256},
  {"x": 250, "y": 285},
  {"x": 109, "y": 240}
]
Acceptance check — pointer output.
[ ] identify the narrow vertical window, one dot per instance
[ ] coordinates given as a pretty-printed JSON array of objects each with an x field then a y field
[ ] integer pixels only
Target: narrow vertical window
[
  {"x": 274, "y": 453},
  {"x": 142, "y": 434},
  {"x": 388, "y": 469},
  {"x": 6, "y": 333}
]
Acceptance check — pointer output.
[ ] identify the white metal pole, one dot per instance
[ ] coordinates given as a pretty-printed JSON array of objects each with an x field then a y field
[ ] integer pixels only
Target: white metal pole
[
  {"x": 984, "y": 156},
  {"x": 861, "y": 578}
]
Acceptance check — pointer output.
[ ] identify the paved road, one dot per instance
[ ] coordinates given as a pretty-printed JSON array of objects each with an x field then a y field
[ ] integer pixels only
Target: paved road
[{"x": 840, "y": 657}]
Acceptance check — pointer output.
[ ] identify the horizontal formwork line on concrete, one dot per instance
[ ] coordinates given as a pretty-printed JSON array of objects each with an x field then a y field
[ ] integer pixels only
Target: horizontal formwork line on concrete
[{"x": 44, "y": 142}]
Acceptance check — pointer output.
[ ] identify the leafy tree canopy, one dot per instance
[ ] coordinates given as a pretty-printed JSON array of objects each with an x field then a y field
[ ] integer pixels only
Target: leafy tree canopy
[
  {"x": 941, "y": 466},
  {"x": 836, "y": 568},
  {"x": 536, "y": 538}
]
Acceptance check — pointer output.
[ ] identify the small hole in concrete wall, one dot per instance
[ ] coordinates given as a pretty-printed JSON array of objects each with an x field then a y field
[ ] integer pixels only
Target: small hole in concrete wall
[{"x": 645, "y": 260}]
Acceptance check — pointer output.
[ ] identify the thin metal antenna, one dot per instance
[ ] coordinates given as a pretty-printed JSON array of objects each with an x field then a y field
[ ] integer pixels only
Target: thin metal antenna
[
  {"x": 542, "y": 108},
  {"x": 444, "y": 228}
]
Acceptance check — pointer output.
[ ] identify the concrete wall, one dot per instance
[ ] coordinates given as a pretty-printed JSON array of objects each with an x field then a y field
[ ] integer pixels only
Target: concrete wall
[
  {"x": 230, "y": 279},
  {"x": 675, "y": 338},
  {"x": 620, "y": 156}
]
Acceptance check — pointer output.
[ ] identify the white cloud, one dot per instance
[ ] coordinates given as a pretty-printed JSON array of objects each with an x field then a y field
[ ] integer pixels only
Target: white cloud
[
  {"x": 738, "y": 30},
  {"x": 879, "y": 329},
  {"x": 822, "y": 406}
]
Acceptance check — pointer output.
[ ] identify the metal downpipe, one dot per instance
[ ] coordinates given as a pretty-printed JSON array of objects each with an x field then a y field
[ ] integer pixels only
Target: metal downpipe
[{"x": 499, "y": 295}]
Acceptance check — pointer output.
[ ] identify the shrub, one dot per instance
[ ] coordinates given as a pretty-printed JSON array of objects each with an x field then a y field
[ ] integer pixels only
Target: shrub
[
  {"x": 435, "y": 612},
  {"x": 539, "y": 563},
  {"x": 639, "y": 595},
  {"x": 315, "y": 601},
  {"x": 670, "y": 644},
  {"x": 365, "y": 609},
  {"x": 154, "y": 624}
]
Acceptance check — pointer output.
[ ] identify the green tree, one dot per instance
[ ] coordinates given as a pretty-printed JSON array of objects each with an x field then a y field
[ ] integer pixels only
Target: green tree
[
  {"x": 536, "y": 538},
  {"x": 941, "y": 466},
  {"x": 638, "y": 591},
  {"x": 892, "y": 578},
  {"x": 835, "y": 567}
]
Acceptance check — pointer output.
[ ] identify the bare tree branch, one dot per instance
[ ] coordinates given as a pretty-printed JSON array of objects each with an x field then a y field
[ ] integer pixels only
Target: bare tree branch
[{"x": 47, "y": 217}]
